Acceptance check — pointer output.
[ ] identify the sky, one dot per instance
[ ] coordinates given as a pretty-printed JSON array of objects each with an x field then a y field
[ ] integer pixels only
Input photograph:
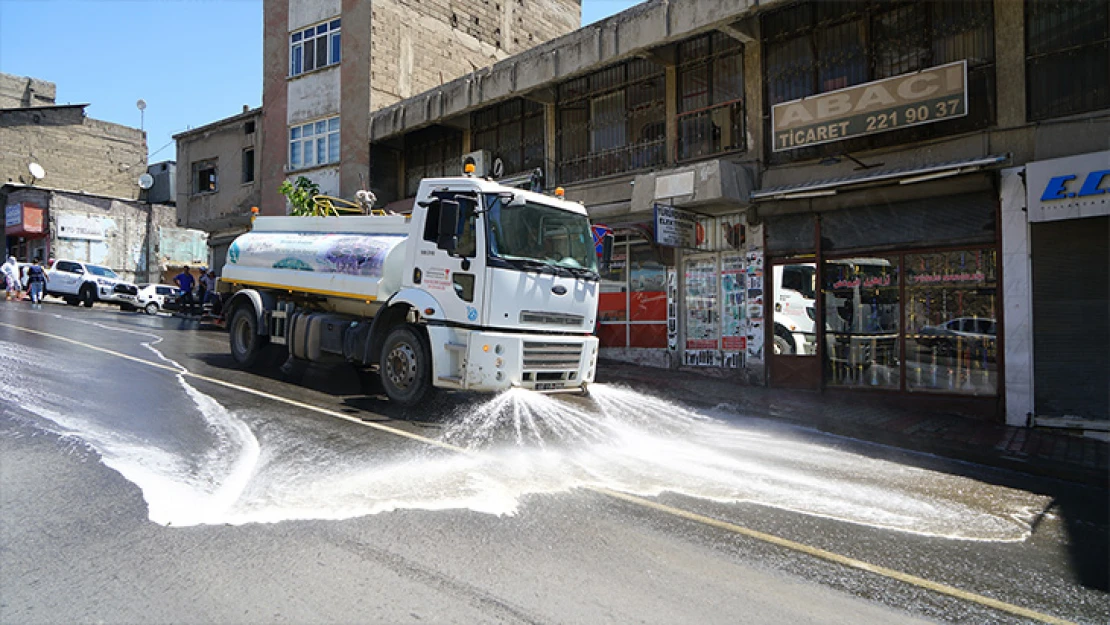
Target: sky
[{"x": 193, "y": 62}]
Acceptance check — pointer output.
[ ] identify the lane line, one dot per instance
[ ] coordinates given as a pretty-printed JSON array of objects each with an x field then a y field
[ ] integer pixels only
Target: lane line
[{"x": 786, "y": 543}]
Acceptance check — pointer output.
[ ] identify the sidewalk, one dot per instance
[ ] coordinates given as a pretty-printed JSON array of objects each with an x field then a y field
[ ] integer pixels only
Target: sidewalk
[{"x": 1042, "y": 452}]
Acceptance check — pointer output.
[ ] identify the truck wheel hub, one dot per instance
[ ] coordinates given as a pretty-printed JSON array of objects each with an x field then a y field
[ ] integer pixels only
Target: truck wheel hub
[{"x": 401, "y": 366}]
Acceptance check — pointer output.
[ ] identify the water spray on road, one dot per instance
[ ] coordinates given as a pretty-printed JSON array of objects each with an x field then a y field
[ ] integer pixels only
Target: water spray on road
[{"x": 520, "y": 444}]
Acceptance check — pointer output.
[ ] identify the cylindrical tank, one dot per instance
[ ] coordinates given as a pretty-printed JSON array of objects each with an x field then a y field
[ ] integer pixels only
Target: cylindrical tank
[{"x": 357, "y": 265}]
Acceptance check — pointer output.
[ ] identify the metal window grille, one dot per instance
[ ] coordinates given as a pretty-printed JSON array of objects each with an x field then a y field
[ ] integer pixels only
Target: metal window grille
[
  {"x": 512, "y": 131},
  {"x": 816, "y": 47},
  {"x": 711, "y": 97},
  {"x": 1068, "y": 57},
  {"x": 612, "y": 121},
  {"x": 431, "y": 153}
]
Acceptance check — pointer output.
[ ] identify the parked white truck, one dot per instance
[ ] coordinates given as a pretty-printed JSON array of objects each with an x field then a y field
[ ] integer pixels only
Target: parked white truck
[{"x": 482, "y": 288}]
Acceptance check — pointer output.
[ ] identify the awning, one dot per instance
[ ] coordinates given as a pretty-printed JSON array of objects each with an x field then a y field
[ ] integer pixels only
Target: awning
[{"x": 903, "y": 175}]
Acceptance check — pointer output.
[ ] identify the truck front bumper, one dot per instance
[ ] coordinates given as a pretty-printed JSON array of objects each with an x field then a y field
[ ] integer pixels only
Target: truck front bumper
[{"x": 494, "y": 361}]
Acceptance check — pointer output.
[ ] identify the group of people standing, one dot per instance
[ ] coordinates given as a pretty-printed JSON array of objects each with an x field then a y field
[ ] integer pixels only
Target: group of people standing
[
  {"x": 31, "y": 278},
  {"x": 195, "y": 292}
]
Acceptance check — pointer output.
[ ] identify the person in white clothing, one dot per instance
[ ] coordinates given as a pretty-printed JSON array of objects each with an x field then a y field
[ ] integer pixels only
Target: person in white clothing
[{"x": 11, "y": 278}]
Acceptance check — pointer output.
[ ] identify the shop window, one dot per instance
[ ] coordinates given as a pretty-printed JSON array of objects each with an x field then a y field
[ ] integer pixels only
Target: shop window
[
  {"x": 862, "y": 319},
  {"x": 710, "y": 96},
  {"x": 632, "y": 310},
  {"x": 951, "y": 301},
  {"x": 612, "y": 121},
  {"x": 817, "y": 47},
  {"x": 314, "y": 47},
  {"x": 431, "y": 153},
  {"x": 1067, "y": 50},
  {"x": 702, "y": 310},
  {"x": 794, "y": 314},
  {"x": 512, "y": 131}
]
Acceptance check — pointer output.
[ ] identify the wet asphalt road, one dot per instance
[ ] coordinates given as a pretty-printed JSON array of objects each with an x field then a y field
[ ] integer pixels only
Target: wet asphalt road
[{"x": 130, "y": 493}]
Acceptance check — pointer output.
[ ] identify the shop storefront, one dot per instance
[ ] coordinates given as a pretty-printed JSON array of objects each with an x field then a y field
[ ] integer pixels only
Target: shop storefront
[
  {"x": 897, "y": 296},
  {"x": 1068, "y": 210},
  {"x": 25, "y": 230}
]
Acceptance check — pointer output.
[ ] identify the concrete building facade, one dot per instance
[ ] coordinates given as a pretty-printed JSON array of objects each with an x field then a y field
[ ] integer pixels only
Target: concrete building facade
[
  {"x": 823, "y": 195},
  {"x": 217, "y": 179},
  {"x": 327, "y": 65}
]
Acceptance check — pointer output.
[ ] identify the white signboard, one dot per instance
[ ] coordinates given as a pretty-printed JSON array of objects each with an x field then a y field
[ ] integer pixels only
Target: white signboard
[
  {"x": 1068, "y": 188},
  {"x": 80, "y": 227},
  {"x": 13, "y": 215},
  {"x": 674, "y": 227},
  {"x": 930, "y": 95}
]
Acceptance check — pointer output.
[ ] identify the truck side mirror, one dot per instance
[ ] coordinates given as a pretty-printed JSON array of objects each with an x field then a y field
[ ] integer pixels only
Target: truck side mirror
[
  {"x": 606, "y": 252},
  {"x": 448, "y": 235}
]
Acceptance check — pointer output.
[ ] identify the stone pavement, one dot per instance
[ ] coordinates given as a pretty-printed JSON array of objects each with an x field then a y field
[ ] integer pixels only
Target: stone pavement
[{"x": 1037, "y": 451}]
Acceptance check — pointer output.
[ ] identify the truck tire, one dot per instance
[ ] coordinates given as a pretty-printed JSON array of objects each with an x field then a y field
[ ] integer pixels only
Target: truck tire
[
  {"x": 406, "y": 366},
  {"x": 87, "y": 296},
  {"x": 783, "y": 346},
  {"x": 246, "y": 343}
]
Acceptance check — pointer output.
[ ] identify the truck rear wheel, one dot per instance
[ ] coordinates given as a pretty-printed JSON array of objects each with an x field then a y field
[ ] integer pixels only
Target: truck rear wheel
[
  {"x": 406, "y": 366},
  {"x": 246, "y": 343}
]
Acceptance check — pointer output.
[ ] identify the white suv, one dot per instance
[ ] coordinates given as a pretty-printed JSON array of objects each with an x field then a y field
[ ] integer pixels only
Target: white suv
[{"x": 78, "y": 282}]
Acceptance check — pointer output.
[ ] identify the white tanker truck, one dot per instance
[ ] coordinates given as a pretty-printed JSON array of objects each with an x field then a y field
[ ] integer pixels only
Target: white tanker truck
[{"x": 482, "y": 288}]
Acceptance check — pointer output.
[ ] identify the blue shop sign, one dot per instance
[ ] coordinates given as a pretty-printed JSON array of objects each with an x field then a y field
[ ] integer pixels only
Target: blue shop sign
[{"x": 1072, "y": 187}]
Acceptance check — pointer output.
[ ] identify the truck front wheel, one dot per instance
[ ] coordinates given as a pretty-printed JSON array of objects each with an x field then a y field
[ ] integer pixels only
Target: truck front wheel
[
  {"x": 406, "y": 367},
  {"x": 246, "y": 343}
]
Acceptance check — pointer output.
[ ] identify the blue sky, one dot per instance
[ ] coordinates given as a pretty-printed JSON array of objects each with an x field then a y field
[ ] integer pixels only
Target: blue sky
[{"x": 193, "y": 61}]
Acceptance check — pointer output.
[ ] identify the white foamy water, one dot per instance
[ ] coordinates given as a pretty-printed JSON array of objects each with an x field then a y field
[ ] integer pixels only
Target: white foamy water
[{"x": 520, "y": 444}]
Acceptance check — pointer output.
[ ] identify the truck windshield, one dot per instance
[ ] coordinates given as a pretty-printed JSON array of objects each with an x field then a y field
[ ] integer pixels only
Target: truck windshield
[{"x": 537, "y": 236}]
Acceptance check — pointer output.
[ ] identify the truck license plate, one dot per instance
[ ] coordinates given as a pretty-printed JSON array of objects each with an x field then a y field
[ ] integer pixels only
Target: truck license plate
[{"x": 547, "y": 386}]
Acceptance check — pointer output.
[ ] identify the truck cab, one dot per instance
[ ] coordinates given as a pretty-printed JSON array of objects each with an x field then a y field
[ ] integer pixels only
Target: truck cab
[{"x": 515, "y": 278}]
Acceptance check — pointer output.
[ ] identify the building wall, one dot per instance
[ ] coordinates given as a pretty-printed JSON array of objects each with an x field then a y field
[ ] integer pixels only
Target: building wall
[
  {"x": 77, "y": 152},
  {"x": 25, "y": 92},
  {"x": 391, "y": 49},
  {"x": 129, "y": 245},
  {"x": 224, "y": 143}
]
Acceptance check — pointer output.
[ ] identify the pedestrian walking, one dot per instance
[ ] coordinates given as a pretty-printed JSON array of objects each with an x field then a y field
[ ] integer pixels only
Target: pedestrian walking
[
  {"x": 36, "y": 281},
  {"x": 11, "y": 278}
]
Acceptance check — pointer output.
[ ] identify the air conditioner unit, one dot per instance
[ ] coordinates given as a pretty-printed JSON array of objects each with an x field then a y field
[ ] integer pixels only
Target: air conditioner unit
[{"x": 481, "y": 161}]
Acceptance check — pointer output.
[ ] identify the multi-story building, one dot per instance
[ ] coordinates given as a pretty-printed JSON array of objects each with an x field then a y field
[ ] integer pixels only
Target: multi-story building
[
  {"x": 903, "y": 200},
  {"x": 327, "y": 65}
]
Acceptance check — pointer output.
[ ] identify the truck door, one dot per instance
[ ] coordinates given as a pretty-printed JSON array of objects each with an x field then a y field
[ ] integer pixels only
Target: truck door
[{"x": 457, "y": 279}]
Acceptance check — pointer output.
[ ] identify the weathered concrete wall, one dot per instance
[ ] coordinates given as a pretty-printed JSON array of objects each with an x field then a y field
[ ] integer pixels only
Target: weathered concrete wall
[
  {"x": 78, "y": 153},
  {"x": 224, "y": 142},
  {"x": 25, "y": 92},
  {"x": 124, "y": 232}
]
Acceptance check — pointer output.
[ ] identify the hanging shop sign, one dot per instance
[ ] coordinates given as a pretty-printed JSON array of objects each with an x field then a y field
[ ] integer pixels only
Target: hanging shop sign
[
  {"x": 930, "y": 95},
  {"x": 1068, "y": 188},
  {"x": 674, "y": 227},
  {"x": 23, "y": 219}
]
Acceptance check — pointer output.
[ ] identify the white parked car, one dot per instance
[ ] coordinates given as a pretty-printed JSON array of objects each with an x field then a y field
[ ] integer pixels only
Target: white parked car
[
  {"x": 154, "y": 297},
  {"x": 82, "y": 283}
]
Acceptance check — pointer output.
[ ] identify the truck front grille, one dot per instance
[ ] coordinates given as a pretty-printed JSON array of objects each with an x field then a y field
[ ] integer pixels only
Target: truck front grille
[
  {"x": 550, "y": 318},
  {"x": 545, "y": 361}
]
